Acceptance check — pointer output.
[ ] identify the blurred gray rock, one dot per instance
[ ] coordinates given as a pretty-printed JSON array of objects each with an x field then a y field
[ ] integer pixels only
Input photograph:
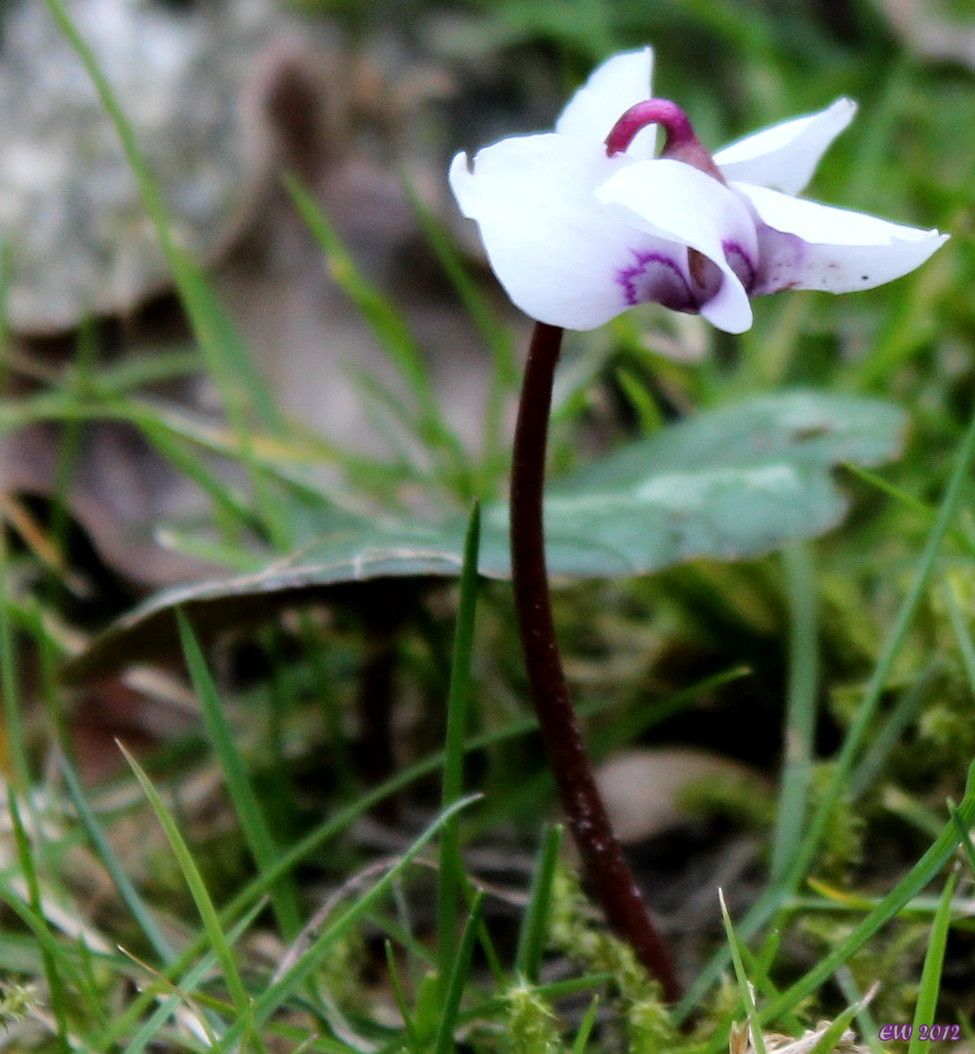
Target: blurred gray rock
[{"x": 71, "y": 216}]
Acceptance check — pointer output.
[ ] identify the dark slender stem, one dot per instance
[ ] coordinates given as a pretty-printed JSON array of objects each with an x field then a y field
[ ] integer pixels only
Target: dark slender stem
[{"x": 606, "y": 868}]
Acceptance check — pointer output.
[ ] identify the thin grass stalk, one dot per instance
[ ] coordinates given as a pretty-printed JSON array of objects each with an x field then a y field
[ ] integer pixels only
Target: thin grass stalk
[
  {"x": 269, "y": 1001},
  {"x": 251, "y": 894},
  {"x": 744, "y": 985},
  {"x": 456, "y": 985},
  {"x": 534, "y": 924},
  {"x": 399, "y": 996},
  {"x": 927, "y": 997},
  {"x": 964, "y": 836},
  {"x": 70, "y": 440},
  {"x": 57, "y": 993},
  {"x": 216, "y": 936},
  {"x": 581, "y": 1042},
  {"x": 450, "y": 876},
  {"x": 180, "y": 991},
  {"x": 897, "y": 721},
  {"x": 939, "y": 853},
  {"x": 50, "y": 655},
  {"x": 42, "y": 935},
  {"x": 758, "y": 969},
  {"x": 800, "y": 719},
  {"x": 257, "y": 832},
  {"x": 227, "y": 360},
  {"x": 866, "y": 1022},
  {"x": 966, "y": 646},
  {"x": 498, "y": 970},
  {"x": 13, "y": 740},
  {"x": 497, "y": 338},
  {"x": 511, "y": 801},
  {"x": 126, "y": 889},
  {"x": 856, "y": 736},
  {"x": 431, "y": 427}
]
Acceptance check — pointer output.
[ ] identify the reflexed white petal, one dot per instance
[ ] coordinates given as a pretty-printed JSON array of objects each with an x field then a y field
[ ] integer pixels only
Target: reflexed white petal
[
  {"x": 555, "y": 250},
  {"x": 610, "y": 91},
  {"x": 805, "y": 245},
  {"x": 785, "y": 155},
  {"x": 676, "y": 201}
]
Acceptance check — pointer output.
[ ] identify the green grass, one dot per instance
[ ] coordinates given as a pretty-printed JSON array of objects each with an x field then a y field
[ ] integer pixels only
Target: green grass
[{"x": 241, "y": 886}]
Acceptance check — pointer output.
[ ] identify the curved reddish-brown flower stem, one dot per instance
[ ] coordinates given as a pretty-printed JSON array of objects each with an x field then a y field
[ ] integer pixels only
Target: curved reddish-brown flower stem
[
  {"x": 604, "y": 863},
  {"x": 680, "y": 140}
]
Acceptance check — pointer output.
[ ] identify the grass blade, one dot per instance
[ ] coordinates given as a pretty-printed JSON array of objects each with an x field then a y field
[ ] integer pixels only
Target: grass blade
[
  {"x": 857, "y": 734},
  {"x": 259, "y": 839},
  {"x": 585, "y": 1027},
  {"x": 534, "y": 924},
  {"x": 179, "y": 980},
  {"x": 13, "y": 742},
  {"x": 909, "y": 886},
  {"x": 937, "y": 855},
  {"x": 252, "y": 893},
  {"x": 887, "y": 737},
  {"x": 126, "y": 889},
  {"x": 240, "y": 387},
  {"x": 927, "y": 997},
  {"x": 800, "y": 721},
  {"x": 451, "y": 877},
  {"x": 964, "y": 836},
  {"x": 399, "y": 995},
  {"x": 966, "y": 646},
  {"x": 457, "y": 983},
  {"x": 277, "y": 993},
  {"x": 194, "y": 880},
  {"x": 391, "y": 331},
  {"x": 52, "y": 970},
  {"x": 867, "y": 1023},
  {"x": 830, "y": 1037},
  {"x": 179, "y": 991},
  {"x": 211, "y": 325},
  {"x": 744, "y": 985},
  {"x": 505, "y": 375}
]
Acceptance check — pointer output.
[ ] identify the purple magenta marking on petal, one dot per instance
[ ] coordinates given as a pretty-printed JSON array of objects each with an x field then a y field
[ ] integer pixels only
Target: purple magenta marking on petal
[
  {"x": 657, "y": 278},
  {"x": 782, "y": 262},
  {"x": 742, "y": 264}
]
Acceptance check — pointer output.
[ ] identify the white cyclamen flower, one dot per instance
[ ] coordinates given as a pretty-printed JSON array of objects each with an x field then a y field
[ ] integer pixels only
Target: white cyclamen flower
[{"x": 581, "y": 223}]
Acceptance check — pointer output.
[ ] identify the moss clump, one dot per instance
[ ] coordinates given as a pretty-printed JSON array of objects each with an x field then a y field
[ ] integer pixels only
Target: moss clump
[
  {"x": 532, "y": 1026},
  {"x": 647, "y": 1023}
]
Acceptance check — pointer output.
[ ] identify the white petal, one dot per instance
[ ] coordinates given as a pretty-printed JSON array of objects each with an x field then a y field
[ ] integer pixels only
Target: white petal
[
  {"x": 677, "y": 201},
  {"x": 785, "y": 155},
  {"x": 558, "y": 253},
  {"x": 610, "y": 91},
  {"x": 805, "y": 245}
]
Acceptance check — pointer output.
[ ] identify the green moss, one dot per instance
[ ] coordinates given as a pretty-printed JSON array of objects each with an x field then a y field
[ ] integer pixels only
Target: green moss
[
  {"x": 842, "y": 847},
  {"x": 532, "y": 1025},
  {"x": 646, "y": 1021},
  {"x": 741, "y": 799}
]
